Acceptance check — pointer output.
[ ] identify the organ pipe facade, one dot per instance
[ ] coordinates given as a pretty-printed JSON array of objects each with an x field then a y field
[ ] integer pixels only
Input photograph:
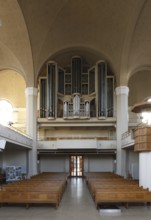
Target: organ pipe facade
[{"x": 77, "y": 91}]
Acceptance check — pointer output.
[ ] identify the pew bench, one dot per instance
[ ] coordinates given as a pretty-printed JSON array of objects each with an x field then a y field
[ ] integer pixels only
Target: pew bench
[
  {"x": 29, "y": 198},
  {"x": 122, "y": 197},
  {"x": 98, "y": 186},
  {"x": 51, "y": 191}
]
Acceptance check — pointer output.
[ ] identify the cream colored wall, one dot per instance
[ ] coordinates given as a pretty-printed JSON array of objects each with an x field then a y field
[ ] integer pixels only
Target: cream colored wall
[
  {"x": 19, "y": 118},
  {"x": 15, "y": 47},
  {"x": 12, "y": 89},
  {"x": 139, "y": 87}
]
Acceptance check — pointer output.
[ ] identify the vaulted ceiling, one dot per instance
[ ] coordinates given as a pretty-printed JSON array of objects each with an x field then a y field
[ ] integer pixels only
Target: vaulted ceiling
[{"x": 34, "y": 31}]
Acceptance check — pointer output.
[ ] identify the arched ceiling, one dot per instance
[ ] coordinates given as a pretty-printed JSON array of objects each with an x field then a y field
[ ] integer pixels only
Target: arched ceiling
[
  {"x": 140, "y": 53},
  {"x": 15, "y": 50},
  {"x": 36, "y": 30}
]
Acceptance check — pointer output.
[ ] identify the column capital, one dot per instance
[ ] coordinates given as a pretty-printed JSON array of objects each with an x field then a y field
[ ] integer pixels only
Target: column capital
[
  {"x": 122, "y": 90},
  {"x": 31, "y": 91}
]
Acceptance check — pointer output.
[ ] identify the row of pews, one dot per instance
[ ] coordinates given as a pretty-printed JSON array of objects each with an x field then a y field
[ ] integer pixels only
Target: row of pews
[
  {"x": 111, "y": 188},
  {"x": 45, "y": 188}
]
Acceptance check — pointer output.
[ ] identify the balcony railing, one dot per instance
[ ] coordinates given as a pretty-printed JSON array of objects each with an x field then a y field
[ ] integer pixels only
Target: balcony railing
[{"x": 13, "y": 135}]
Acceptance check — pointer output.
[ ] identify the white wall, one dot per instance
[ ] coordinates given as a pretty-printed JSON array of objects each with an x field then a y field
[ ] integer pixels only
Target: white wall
[
  {"x": 92, "y": 163},
  {"x": 15, "y": 157},
  {"x": 99, "y": 163},
  {"x": 59, "y": 163},
  {"x": 133, "y": 164},
  {"x": 54, "y": 163}
]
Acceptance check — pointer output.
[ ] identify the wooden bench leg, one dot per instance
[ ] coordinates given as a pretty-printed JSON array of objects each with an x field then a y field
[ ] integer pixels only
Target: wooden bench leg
[
  {"x": 126, "y": 205},
  {"x": 57, "y": 205},
  {"x": 96, "y": 205},
  {"x": 27, "y": 205}
]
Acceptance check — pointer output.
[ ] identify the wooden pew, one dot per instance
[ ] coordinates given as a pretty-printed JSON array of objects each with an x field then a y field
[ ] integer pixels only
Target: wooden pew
[
  {"x": 109, "y": 188},
  {"x": 29, "y": 198},
  {"x": 122, "y": 197},
  {"x": 52, "y": 189},
  {"x": 95, "y": 185},
  {"x": 35, "y": 190}
]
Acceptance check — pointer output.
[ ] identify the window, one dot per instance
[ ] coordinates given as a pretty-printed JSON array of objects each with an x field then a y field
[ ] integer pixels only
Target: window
[{"x": 6, "y": 111}]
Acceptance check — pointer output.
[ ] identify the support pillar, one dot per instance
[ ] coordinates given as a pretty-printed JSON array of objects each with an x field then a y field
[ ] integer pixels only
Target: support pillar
[
  {"x": 31, "y": 127},
  {"x": 121, "y": 127}
]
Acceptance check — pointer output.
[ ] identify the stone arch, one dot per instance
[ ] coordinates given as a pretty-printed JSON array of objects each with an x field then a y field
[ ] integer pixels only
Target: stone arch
[{"x": 90, "y": 54}]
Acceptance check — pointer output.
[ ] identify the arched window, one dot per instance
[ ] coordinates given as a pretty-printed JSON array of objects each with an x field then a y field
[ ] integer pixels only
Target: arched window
[{"x": 6, "y": 112}]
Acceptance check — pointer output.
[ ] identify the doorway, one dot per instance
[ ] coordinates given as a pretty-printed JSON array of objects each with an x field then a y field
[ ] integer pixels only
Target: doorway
[{"x": 76, "y": 166}]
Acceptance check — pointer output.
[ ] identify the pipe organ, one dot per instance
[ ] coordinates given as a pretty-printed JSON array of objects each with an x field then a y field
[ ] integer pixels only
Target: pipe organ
[{"x": 76, "y": 91}]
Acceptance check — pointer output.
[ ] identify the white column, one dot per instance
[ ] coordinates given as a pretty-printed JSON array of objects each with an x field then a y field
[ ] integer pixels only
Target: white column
[
  {"x": 141, "y": 178},
  {"x": 148, "y": 171},
  {"x": 122, "y": 126},
  {"x": 65, "y": 109},
  {"x": 144, "y": 170},
  {"x": 31, "y": 127}
]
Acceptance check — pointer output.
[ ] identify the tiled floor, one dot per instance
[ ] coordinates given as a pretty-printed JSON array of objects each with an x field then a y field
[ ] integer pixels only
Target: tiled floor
[{"x": 76, "y": 204}]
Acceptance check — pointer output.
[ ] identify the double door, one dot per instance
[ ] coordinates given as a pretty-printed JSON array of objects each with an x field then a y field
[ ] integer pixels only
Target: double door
[{"x": 76, "y": 166}]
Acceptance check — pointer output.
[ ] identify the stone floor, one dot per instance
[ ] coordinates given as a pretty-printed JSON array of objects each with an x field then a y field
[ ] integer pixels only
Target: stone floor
[{"x": 76, "y": 204}]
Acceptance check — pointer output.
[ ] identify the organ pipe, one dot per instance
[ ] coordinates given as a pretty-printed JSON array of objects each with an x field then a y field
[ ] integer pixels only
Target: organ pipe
[
  {"x": 110, "y": 88},
  {"x": 76, "y": 74},
  {"x": 51, "y": 89},
  {"x": 101, "y": 89},
  {"x": 43, "y": 98}
]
